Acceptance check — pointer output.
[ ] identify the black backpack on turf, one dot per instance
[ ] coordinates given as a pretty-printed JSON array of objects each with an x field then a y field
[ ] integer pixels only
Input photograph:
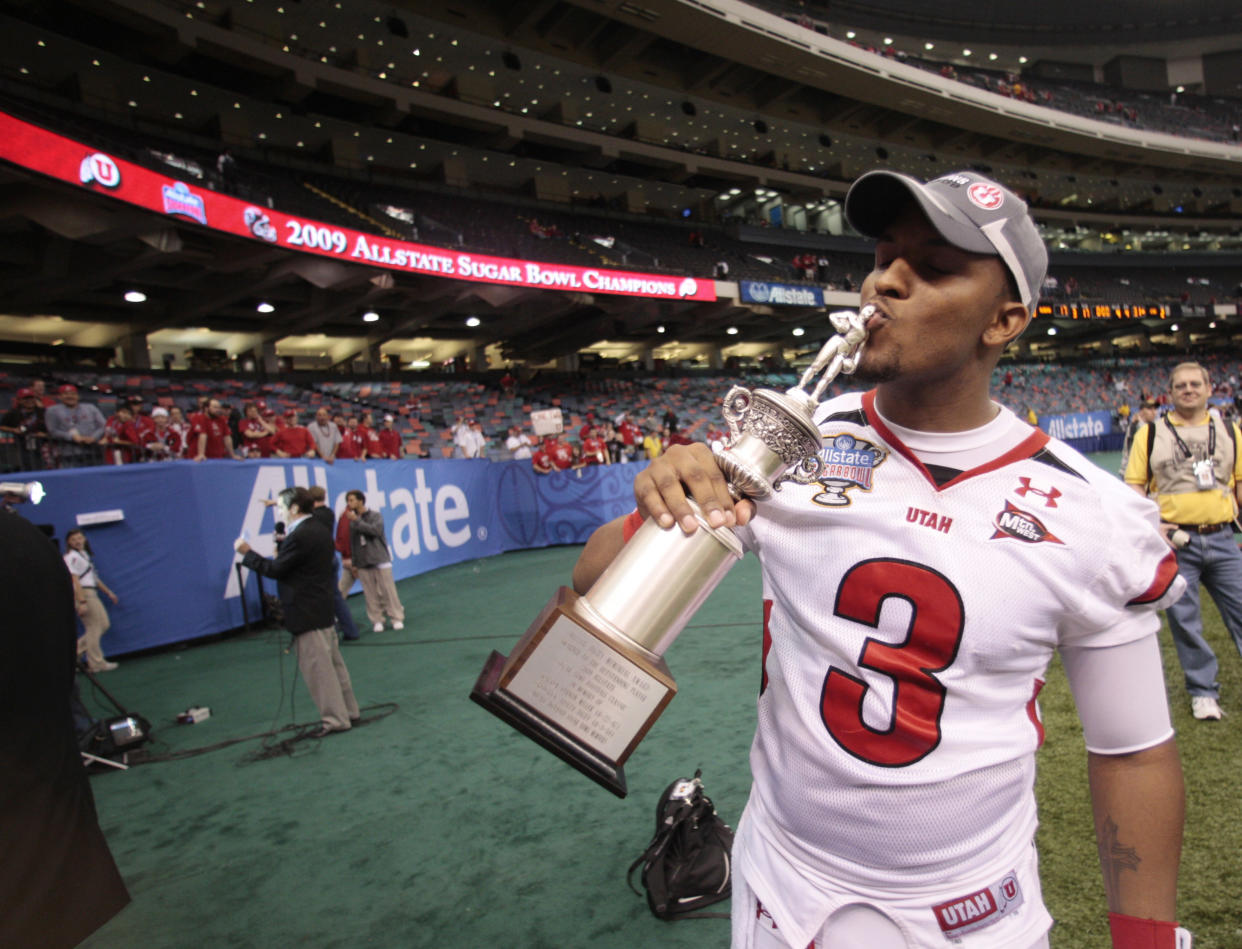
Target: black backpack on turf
[{"x": 687, "y": 864}]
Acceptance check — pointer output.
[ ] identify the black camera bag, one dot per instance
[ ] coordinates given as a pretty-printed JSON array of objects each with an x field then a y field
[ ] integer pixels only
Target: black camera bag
[{"x": 687, "y": 864}]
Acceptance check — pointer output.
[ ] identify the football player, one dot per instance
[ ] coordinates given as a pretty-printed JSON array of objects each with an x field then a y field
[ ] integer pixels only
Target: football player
[{"x": 912, "y": 606}]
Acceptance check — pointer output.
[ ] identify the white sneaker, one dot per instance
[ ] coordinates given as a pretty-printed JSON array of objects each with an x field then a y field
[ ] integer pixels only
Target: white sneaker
[
  {"x": 397, "y": 624},
  {"x": 1205, "y": 708},
  {"x": 104, "y": 666},
  {"x": 377, "y": 628}
]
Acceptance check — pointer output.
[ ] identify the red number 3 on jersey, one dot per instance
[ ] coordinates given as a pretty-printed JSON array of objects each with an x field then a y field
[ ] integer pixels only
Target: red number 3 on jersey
[{"x": 930, "y": 646}]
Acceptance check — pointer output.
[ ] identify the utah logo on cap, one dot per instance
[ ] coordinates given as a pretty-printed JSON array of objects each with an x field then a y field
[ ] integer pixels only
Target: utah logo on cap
[{"x": 985, "y": 195}]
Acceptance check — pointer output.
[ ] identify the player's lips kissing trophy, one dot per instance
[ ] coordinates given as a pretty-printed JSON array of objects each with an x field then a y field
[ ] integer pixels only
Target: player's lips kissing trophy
[{"x": 589, "y": 679}]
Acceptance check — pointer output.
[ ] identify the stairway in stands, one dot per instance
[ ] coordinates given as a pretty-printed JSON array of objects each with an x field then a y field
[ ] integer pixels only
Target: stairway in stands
[{"x": 349, "y": 208}]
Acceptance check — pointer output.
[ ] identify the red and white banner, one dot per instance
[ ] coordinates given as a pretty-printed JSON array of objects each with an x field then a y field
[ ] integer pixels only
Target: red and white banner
[{"x": 49, "y": 154}]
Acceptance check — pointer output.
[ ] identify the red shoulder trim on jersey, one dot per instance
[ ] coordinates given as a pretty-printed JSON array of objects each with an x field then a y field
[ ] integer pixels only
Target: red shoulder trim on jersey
[
  {"x": 1166, "y": 573},
  {"x": 1029, "y": 446},
  {"x": 633, "y": 521}
]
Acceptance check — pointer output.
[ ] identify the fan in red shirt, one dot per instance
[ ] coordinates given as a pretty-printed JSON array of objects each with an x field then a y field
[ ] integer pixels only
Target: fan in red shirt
[
  {"x": 143, "y": 423},
  {"x": 293, "y": 441},
  {"x": 594, "y": 449},
  {"x": 162, "y": 442},
  {"x": 370, "y": 436},
  {"x": 120, "y": 436},
  {"x": 256, "y": 433},
  {"x": 389, "y": 439},
  {"x": 585, "y": 431},
  {"x": 209, "y": 433},
  {"x": 353, "y": 441},
  {"x": 555, "y": 454}
]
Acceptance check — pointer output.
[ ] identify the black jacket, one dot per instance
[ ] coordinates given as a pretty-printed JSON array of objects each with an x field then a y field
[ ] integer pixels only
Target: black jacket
[
  {"x": 58, "y": 882},
  {"x": 305, "y": 575}
]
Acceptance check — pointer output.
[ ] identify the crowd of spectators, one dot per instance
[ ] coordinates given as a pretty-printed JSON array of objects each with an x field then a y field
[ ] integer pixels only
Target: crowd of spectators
[
  {"x": 605, "y": 419},
  {"x": 68, "y": 432}
]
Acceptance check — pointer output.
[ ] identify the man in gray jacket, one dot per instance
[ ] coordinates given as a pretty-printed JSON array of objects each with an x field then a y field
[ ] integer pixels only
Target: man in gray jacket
[
  {"x": 76, "y": 428},
  {"x": 369, "y": 553}
]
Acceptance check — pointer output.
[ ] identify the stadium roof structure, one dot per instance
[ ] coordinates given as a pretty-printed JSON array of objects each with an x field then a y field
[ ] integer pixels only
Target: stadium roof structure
[{"x": 666, "y": 104}]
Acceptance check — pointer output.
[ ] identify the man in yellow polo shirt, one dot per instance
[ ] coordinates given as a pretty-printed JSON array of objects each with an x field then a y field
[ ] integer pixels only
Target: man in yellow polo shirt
[{"x": 1190, "y": 462}]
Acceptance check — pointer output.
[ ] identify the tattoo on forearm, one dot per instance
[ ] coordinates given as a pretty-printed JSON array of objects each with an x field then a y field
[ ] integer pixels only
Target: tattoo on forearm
[{"x": 1114, "y": 857}]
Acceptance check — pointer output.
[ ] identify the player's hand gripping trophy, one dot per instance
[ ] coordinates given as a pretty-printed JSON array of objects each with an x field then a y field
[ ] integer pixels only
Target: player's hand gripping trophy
[{"x": 589, "y": 678}]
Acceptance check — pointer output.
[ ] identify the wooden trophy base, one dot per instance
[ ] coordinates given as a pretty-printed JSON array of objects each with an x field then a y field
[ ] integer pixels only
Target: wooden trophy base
[{"x": 582, "y": 692}]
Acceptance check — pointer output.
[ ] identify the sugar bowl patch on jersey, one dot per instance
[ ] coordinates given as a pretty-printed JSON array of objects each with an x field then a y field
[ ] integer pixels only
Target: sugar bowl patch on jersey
[{"x": 849, "y": 461}]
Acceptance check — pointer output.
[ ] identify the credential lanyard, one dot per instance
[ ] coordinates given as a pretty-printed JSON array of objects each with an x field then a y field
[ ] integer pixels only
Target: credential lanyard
[{"x": 1186, "y": 448}]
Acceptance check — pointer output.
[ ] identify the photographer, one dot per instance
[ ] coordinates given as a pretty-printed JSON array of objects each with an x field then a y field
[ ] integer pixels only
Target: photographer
[{"x": 303, "y": 570}]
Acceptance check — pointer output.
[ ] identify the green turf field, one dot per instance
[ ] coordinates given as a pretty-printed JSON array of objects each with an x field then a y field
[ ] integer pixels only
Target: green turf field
[{"x": 437, "y": 826}]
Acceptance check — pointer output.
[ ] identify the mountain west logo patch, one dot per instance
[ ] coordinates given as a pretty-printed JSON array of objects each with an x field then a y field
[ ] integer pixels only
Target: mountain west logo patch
[
  {"x": 849, "y": 462},
  {"x": 1018, "y": 524}
]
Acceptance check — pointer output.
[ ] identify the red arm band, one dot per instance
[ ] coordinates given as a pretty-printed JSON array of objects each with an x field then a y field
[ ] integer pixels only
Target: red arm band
[
  {"x": 1131, "y": 932},
  {"x": 633, "y": 521}
]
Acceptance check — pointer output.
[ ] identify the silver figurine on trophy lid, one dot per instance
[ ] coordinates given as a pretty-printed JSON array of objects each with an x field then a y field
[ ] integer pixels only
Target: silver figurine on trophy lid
[{"x": 588, "y": 679}]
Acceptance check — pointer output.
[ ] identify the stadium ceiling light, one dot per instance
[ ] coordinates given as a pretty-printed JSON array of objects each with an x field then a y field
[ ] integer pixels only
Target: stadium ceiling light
[
  {"x": 1052, "y": 331},
  {"x": 965, "y": 52},
  {"x": 660, "y": 329},
  {"x": 1173, "y": 328},
  {"x": 135, "y": 296},
  {"x": 888, "y": 41},
  {"x": 265, "y": 308},
  {"x": 473, "y": 321},
  {"x": 732, "y": 331},
  {"x": 1023, "y": 60},
  {"x": 370, "y": 317},
  {"x": 798, "y": 331}
]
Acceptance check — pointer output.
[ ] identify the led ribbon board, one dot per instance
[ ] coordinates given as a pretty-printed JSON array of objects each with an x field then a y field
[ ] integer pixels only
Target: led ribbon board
[{"x": 39, "y": 150}]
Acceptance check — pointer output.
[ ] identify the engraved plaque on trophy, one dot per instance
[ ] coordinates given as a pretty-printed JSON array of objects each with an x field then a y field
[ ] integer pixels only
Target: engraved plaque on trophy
[{"x": 588, "y": 679}]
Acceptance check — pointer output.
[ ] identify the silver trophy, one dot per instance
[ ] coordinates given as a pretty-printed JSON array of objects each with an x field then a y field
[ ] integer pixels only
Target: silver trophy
[{"x": 589, "y": 678}]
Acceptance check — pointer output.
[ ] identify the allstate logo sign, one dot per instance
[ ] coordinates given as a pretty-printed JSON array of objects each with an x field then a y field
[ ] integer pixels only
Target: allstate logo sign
[{"x": 780, "y": 294}]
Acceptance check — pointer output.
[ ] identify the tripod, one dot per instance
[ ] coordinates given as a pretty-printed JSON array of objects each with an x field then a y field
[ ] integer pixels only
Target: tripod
[{"x": 117, "y": 733}]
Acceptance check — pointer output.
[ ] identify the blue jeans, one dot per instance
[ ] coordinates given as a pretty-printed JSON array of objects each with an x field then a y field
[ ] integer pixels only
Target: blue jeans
[
  {"x": 344, "y": 618},
  {"x": 1215, "y": 560}
]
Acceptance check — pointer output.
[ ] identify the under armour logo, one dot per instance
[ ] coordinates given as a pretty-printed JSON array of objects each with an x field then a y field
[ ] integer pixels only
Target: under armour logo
[{"x": 1050, "y": 496}]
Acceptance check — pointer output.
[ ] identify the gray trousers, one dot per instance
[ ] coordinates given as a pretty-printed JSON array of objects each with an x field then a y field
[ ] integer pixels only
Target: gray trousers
[
  {"x": 381, "y": 594},
  {"x": 327, "y": 679}
]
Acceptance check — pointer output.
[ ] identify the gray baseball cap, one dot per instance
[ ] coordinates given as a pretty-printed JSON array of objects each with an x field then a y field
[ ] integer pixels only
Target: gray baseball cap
[{"x": 968, "y": 210}]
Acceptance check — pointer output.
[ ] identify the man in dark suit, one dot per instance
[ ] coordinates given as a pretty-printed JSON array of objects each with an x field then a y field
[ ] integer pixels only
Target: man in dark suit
[{"x": 303, "y": 571}]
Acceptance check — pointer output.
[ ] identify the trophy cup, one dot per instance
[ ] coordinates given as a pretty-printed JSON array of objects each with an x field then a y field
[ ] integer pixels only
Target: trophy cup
[{"x": 588, "y": 679}]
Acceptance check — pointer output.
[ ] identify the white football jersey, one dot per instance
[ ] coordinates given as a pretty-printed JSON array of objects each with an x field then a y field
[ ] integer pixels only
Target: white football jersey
[{"x": 907, "y": 630}]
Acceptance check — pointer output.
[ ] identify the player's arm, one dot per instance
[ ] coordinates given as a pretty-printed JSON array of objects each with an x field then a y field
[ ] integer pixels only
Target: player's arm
[
  {"x": 1138, "y": 801},
  {"x": 600, "y": 550},
  {"x": 661, "y": 494},
  {"x": 1135, "y": 777}
]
